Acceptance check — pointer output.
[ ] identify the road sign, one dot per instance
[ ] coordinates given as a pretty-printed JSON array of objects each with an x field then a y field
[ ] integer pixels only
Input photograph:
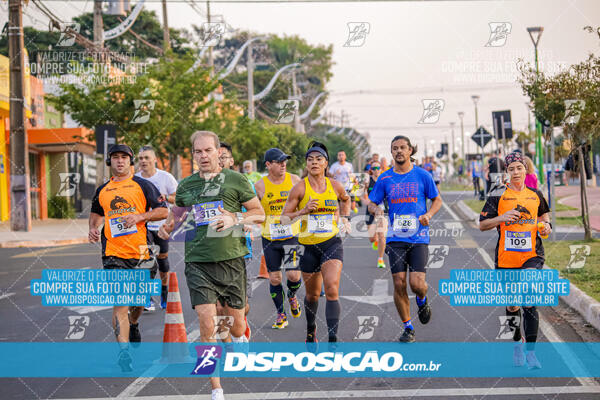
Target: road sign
[
  {"x": 482, "y": 134},
  {"x": 106, "y": 136},
  {"x": 445, "y": 148},
  {"x": 502, "y": 118}
]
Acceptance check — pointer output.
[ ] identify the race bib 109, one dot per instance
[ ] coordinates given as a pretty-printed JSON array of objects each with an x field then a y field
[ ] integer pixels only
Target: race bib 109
[{"x": 517, "y": 241}]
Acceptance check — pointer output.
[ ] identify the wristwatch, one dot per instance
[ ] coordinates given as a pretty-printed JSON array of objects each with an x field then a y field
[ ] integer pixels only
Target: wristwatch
[{"x": 239, "y": 216}]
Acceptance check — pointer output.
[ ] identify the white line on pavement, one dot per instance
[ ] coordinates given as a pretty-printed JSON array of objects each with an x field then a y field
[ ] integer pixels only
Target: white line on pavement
[
  {"x": 136, "y": 386},
  {"x": 398, "y": 393},
  {"x": 6, "y": 295},
  {"x": 450, "y": 212}
]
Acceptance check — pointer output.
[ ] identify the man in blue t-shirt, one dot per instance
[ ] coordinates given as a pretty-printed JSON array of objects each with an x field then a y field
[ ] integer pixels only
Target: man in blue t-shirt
[{"x": 406, "y": 188}]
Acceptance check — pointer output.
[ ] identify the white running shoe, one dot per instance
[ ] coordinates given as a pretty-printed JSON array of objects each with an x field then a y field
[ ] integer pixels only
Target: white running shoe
[
  {"x": 217, "y": 394},
  {"x": 518, "y": 355},
  {"x": 532, "y": 361}
]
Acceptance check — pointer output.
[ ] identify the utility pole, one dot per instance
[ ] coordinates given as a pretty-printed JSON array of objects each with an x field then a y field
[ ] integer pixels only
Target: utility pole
[
  {"x": 452, "y": 149},
  {"x": 166, "y": 38},
  {"x": 250, "y": 68},
  {"x": 461, "y": 115},
  {"x": 211, "y": 62},
  {"x": 98, "y": 24},
  {"x": 296, "y": 96},
  {"x": 20, "y": 215}
]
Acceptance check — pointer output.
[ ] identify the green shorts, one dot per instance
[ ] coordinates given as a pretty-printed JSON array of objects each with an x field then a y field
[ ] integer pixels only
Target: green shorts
[{"x": 222, "y": 280}]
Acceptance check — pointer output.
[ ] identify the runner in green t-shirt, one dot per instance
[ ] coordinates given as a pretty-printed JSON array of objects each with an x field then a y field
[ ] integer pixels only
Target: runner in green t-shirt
[{"x": 214, "y": 258}]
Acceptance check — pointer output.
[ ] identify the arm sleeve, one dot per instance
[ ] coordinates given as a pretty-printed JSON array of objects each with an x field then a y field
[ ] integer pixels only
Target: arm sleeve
[
  {"x": 96, "y": 207},
  {"x": 543, "y": 207},
  {"x": 378, "y": 192},
  {"x": 490, "y": 208}
]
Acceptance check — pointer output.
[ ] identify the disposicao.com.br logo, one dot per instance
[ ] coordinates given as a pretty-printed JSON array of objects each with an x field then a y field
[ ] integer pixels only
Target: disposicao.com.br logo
[
  {"x": 298, "y": 360},
  {"x": 351, "y": 362}
]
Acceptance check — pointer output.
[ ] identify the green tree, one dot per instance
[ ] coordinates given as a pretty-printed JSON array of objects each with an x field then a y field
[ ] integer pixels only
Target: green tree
[
  {"x": 549, "y": 93},
  {"x": 175, "y": 102}
]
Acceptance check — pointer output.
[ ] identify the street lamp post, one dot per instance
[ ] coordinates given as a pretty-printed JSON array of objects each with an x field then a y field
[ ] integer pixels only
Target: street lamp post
[
  {"x": 539, "y": 151},
  {"x": 452, "y": 150},
  {"x": 475, "y": 99},
  {"x": 461, "y": 115}
]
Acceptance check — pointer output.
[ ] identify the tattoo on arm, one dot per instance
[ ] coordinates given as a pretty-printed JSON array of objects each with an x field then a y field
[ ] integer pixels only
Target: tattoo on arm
[{"x": 117, "y": 326}]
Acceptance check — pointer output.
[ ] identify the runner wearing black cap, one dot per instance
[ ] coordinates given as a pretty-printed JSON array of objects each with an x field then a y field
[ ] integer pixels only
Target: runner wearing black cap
[
  {"x": 124, "y": 204},
  {"x": 279, "y": 241},
  {"x": 319, "y": 202}
]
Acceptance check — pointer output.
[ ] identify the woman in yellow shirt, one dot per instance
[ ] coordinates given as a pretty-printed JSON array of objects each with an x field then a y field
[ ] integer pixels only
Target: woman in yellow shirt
[{"x": 319, "y": 202}]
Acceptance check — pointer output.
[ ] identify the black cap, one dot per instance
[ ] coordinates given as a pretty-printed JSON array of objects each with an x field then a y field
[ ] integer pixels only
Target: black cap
[
  {"x": 120, "y": 148},
  {"x": 274, "y": 154}
]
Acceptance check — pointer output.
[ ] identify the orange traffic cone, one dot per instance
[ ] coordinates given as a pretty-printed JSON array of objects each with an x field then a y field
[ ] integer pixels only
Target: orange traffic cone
[
  {"x": 263, "y": 273},
  {"x": 174, "y": 327}
]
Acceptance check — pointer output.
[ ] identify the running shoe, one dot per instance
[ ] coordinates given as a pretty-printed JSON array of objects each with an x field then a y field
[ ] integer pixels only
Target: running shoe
[
  {"x": 532, "y": 361},
  {"x": 380, "y": 263},
  {"x": 408, "y": 336},
  {"x": 424, "y": 313},
  {"x": 374, "y": 245},
  {"x": 163, "y": 298},
  {"x": 295, "y": 307},
  {"x": 281, "y": 322},
  {"x": 125, "y": 361},
  {"x": 322, "y": 292},
  {"x": 150, "y": 305},
  {"x": 518, "y": 355},
  {"x": 217, "y": 394},
  {"x": 248, "y": 331},
  {"x": 134, "y": 333}
]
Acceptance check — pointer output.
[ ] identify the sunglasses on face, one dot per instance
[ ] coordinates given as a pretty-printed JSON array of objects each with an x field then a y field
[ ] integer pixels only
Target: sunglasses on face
[{"x": 375, "y": 168}]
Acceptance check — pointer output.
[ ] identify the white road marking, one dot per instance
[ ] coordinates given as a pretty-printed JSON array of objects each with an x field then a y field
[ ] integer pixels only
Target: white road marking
[
  {"x": 452, "y": 213},
  {"x": 136, "y": 386},
  {"x": 379, "y": 294},
  {"x": 398, "y": 393},
  {"x": 6, "y": 295}
]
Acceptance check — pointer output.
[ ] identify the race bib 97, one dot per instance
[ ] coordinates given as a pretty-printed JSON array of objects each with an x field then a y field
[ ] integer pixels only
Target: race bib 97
[
  {"x": 517, "y": 241},
  {"x": 320, "y": 223},
  {"x": 204, "y": 212},
  {"x": 117, "y": 227}
]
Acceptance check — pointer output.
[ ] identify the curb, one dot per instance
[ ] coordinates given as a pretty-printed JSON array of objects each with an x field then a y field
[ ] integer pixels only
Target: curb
[
  {"x": 466, "y": 211},
  {"x": 11, "y": 244},
  {"x": 585, "y": 305}
]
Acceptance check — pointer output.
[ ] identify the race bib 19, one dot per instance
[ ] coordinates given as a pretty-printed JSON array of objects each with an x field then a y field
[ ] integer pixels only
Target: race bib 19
[
  {"x": 117, "y": 227},
  {"x": 405, "y": 223},
  {"x": 517, "y": 241},
  {"x": 279, "y": 231},
  {"x": 204, "y": 212},
  {"x": 320, "y": 223}
]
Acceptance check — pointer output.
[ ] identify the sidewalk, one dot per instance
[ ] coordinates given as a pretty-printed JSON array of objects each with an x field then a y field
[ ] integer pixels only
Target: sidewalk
[
  {"x": 569, "y": 195},
  {"x": 50, "y": 232}
]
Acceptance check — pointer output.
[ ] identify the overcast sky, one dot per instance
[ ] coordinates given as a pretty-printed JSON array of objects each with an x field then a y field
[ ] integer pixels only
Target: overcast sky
[{"x": 413, "y": 51}]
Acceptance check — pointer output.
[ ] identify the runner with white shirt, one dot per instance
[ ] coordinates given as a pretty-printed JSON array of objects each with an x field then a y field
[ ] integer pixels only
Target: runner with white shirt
[
  {"x": 342, "y": 171},
  {"x": 167, "y": 186}
]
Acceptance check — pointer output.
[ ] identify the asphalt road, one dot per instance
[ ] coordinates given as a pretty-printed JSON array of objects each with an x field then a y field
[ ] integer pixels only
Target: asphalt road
[{"x": 24, "y": 319}]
